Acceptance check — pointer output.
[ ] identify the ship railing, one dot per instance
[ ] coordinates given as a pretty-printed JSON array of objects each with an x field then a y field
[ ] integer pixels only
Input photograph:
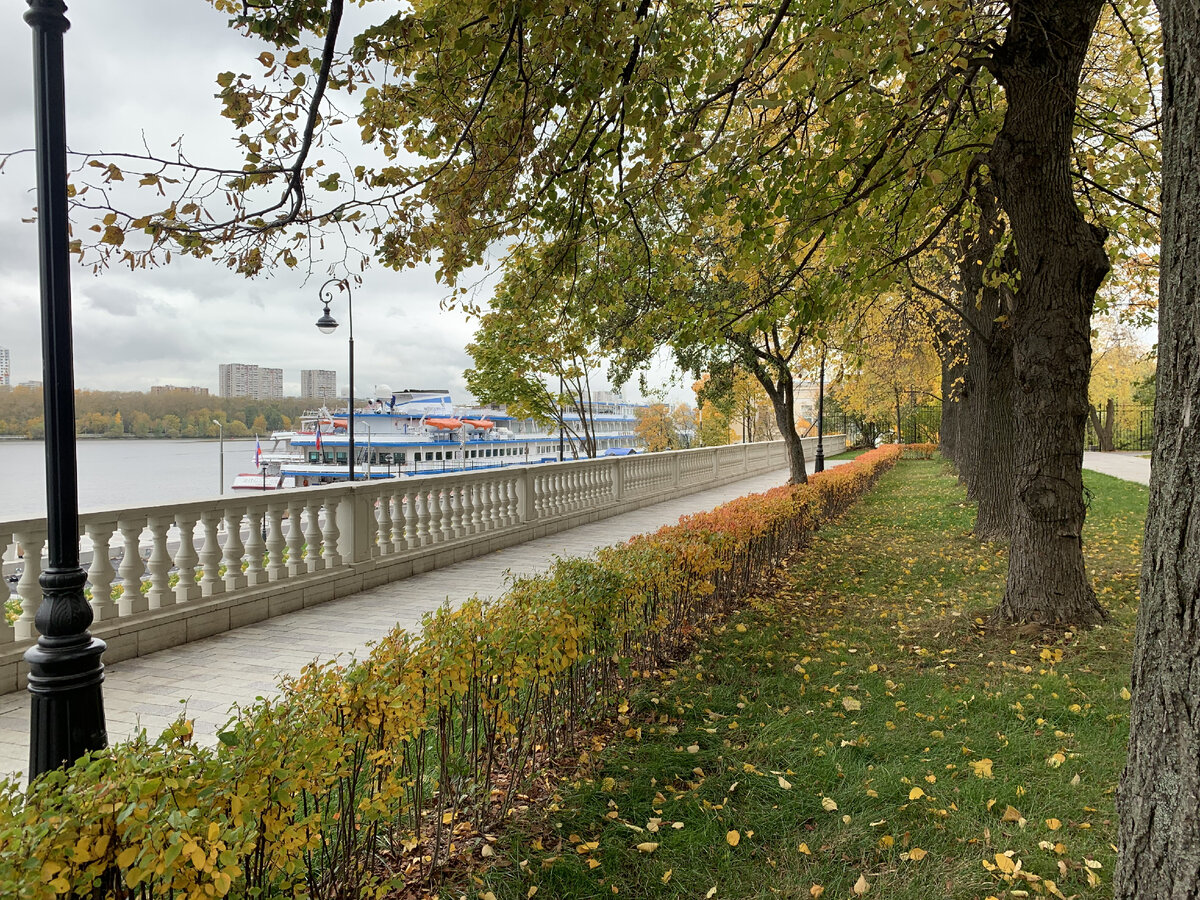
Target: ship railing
[{"x": 159, "y": 576}]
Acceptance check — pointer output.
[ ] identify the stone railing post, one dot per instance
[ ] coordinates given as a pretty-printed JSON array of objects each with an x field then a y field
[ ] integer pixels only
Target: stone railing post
[
  {"x": 525, "y": 511},
  {"x": 356, "y": 524},
  {"x": 618, "y": 478}
]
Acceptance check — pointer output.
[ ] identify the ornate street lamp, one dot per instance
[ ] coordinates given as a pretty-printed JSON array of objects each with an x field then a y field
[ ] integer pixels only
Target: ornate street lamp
[
  {"x": 221, "y": 437},
  {"x": 65, "y": 671},
  {"x": 326, "y": 325}
]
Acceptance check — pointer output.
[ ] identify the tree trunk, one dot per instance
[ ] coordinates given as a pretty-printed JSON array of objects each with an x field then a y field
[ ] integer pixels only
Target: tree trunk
[
  {"x": 783, "y": 403},
  {"x": 1158, "y": 802},
  {"x": 948, "y": 430},
  {"x": 995, "y": 481},
  {"x": 1102, "y": 424},
  {"x": 1062, "y": 264}
]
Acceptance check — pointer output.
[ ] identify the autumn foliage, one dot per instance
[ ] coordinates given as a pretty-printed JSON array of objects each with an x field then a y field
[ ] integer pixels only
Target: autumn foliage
[{"x": 368, "y": 775}]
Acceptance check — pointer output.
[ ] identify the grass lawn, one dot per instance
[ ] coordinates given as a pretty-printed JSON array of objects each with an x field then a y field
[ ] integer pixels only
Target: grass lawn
[{"x": 860, "y": 731}]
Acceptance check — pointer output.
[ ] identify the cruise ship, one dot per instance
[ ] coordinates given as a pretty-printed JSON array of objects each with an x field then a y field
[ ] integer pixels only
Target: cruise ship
[{"x": 417, "y": 432}]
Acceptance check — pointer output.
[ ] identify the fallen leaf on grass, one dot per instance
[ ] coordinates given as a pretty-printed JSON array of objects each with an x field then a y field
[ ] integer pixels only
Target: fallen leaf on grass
[
  {"x": 916, "y": 794},
  {"x": 647, "y": 846},
  {"x": 851, "y": 705},
  {"x": 816, "y": 890},
  {"x": 828, "y": 804},
  {"x": 916, "y": 854},
  {"x": 982, "y": 767},
  {"x": 733, "y": 838},
  {"x": 784, "y": 783},
  {"x": 861, "y": 886}
]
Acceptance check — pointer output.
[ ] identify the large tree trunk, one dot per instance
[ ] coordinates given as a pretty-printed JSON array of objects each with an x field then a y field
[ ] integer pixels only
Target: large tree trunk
[
  {"x": 948, "y": 354},
  {"x": 995, "y": 477},
  {"x": 783, "y": 403},
  {"x": 1062, "y": 264},
  {"x": 1158, "y": 803}
]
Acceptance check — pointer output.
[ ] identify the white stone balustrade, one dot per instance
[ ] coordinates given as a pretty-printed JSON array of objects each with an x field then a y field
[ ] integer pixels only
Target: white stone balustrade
[{"x": 186, "y": 571}]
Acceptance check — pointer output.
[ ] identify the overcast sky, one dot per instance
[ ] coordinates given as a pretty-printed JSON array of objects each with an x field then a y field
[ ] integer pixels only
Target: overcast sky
[{"x": 147, "y": 67}]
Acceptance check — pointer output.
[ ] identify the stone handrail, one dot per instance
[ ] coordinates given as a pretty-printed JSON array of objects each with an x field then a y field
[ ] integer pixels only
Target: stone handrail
[{"x": 190, "y": 570}]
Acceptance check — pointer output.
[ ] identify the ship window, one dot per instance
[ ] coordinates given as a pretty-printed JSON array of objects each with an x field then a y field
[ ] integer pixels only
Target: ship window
[
  {"x": 341, "y": 457},
  {"x": 314, "y": 457},
  {"x": 439, "y": 454}
]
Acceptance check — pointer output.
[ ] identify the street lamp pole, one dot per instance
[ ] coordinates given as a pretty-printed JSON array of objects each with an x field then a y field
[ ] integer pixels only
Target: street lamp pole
[
  {"x": 221, "y": 469},
  {"x": 819, "y": 462},
  {"x": 65, "y": 668},
  {"x": 326, "y": 324}
]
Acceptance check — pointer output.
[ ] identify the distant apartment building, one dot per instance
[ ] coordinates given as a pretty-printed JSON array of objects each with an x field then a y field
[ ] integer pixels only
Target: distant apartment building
[
  {"x": 5, "y": 368},
  {"x": 318, "y": 384},
  {"x": 168, "y": 388},
  {"x": 242, "y": 380}
]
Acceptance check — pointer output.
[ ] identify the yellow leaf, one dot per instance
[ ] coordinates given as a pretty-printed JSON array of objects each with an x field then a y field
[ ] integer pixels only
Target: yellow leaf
[
  {"x": 532, "y": 890},
  {"x": 488, "y": 895},
  {"x": 647, "y": 846},
  {"x": 1056, "y": 759},
  {"x": 1005, "y": 864},
  {"x": 916, "y": 794},
  {"x": 828, "y": 804},
  {"x": 982, "y": 767},
  {"x": 1053, "y": 824},
  {"x": 887, "y": 841},
  {"x": 784, "y": 783},
  {"x": 816, "y": 890},
  {"x": 861, "y": 886},
  {"x": 1125, "y": 695},
  {"x": 126, "y": 857},
  {"x": 712, "y": 892},
  {"x": 733, "y": 838},
  {"x": 667, "y": 876},
  {"x": 741, "y": 628},
  {"x": 850, "y": 704},
  {"x": 1010, "y": 815},
  {"x": 803, "y": 848},
  {"x": 916, "y": 854},
  {"x": 593, "y": 863}
]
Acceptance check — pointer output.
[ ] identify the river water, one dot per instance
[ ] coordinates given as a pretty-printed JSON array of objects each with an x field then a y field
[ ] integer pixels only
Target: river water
[{"x": 116, "y": 474}]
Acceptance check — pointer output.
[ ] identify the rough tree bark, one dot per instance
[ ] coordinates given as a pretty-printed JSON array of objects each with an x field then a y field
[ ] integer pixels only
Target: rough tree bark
[
  {"x": 1062, "y": 265},
  {"x": 1158, "y": 802}
]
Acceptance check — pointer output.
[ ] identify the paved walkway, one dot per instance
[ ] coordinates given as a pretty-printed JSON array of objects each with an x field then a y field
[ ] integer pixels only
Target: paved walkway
[
  {"x": 1126, "y": 466},
  {"x": 207, "y": 677}
]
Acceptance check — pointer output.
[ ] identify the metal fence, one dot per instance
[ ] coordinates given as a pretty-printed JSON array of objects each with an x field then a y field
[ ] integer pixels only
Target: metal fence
[{"x": 1132, "y": 428}]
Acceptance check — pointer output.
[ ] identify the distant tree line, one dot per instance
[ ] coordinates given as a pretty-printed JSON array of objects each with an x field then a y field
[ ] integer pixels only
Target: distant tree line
[{"x": 174, "y": 414}]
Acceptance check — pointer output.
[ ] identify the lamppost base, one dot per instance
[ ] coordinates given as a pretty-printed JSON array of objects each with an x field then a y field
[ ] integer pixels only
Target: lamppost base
[{"x": 66, "y": 704}]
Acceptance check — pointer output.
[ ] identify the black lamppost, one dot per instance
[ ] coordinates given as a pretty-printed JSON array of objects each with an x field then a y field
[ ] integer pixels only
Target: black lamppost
[
  {"x": 65, "y": 671},
  {"x": 327, "y": 324},
  {"x": 819, "y": 462},
  {"x": 221, "y": 465}
]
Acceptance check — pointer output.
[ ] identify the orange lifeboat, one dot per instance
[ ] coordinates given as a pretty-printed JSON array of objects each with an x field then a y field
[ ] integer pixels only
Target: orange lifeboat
[
  {"x": 481, "y": 424},
  {"x": 445, "y": 424}
]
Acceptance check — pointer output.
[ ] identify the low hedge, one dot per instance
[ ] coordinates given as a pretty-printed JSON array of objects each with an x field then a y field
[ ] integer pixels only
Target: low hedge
[{"x": 368, "y": 774}]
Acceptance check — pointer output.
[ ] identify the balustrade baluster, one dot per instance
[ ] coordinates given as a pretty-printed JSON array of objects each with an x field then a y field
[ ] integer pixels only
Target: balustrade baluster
[
  {"x": 30, "y": 543},
  {"x": 256, "y": 546},
  {"x": 234, "y": 549},
  {"x": 100, "y": 572},
  {"x": 210, "y": 557},
  {"x": 131, "y": 569},
  {"x": 185, "y": 558},
  {"x": 295, "y": 538},
  {"x": 422, "y": 502},
  {"x": 446, "y": 501},
  {"x": 276, "y": 566},
  {"x": 455, "y": 496},
  {"x": 476, "y": 500},
  {"x": 383, "y": 521},
  {"x": 159, "y": 564},
  {"x": 330, "y": 533},
  {"x": 512, "y": 502},
  {"x": 412, "y": 540},
  {"x": 312, "y": 536}
]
